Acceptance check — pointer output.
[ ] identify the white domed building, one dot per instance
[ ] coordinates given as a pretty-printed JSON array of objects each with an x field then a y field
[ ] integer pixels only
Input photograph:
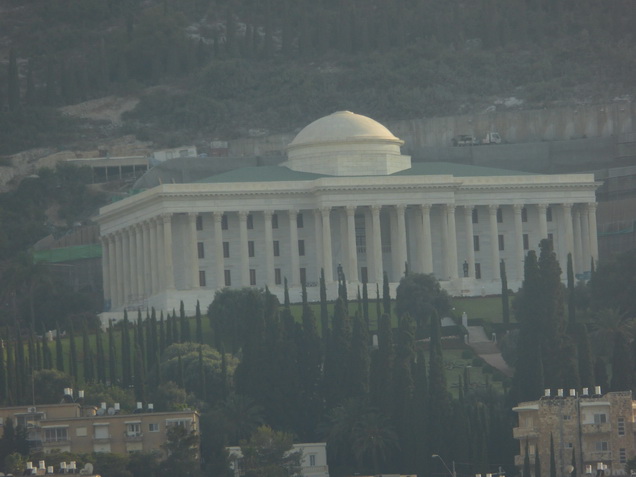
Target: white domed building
[{"x": 345, "y": 198}]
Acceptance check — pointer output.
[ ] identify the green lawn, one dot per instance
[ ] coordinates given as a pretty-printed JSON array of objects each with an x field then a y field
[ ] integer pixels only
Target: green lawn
[{"x": 485, "y": 308}]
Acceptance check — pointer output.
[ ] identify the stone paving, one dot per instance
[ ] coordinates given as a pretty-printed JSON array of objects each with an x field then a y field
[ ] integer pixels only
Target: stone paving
[{"x": 487, "y": 349}]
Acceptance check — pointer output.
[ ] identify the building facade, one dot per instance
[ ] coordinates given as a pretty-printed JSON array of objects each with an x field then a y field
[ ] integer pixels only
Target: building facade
[
  {"x": 70, "y": 427},
  {"x": 313, "y": 462},
  {"x": 346, "y": 199},
  {"x": 598, "y": 429}
]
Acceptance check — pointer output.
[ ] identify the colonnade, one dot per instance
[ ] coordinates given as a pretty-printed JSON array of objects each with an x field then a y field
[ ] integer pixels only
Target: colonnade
[{"x": 138, "y": 259}]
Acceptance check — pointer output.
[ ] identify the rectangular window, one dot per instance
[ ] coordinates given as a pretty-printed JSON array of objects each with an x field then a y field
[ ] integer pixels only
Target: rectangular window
[
  {"x": 526, "y": 242},
  {"x": 524, "y": 214},
  {"x": 551, "y": 239},
  {"x": 622, "y": 455},
  {"x": 200, "y": 250},
  {"x": 153, "y": 427},
  {"x": 312, "y": 460},
  {"x": 226, "y": 249},
  {"x": 202, "y": 278},
  {"x": 499, "y": 215},
  {"x": 364, "y": 274},
  {"x": 600, "y": 418},
  {"x": 274, "y": 221},
  {"x": 566, "y": 417},
  {"x": 476, "y": 243},
  {"x": 101, "y": 432},
  {"x": 56, "y": 434},
  {"x": 478, "y": 271},
  {"x": 133, "y": 429},
  {"x": 301, "y": 248},
  {"x": 501, "y": 242},
  {"x": 548, "y": 214},
  {"x": 252, "y": 276},
  {"x": 228, "y": 278},
  {"x": 224, "y": 222},
  {"x": 250, "y": 248},
  {"x": 303, "y": 275},
  {"x": 621, "y": 426},
  {"x": 250, "y": 221},
  {"x": 299, "y": 221},
  {"x": 277, "y": 276},
  {"x": 276, "y": 248},
  {"x": 81, "y": 432},
  {"x": 601, "y": 446},
  {"x": 199, "y": 222},
  {"x": 475, "y": 216}
]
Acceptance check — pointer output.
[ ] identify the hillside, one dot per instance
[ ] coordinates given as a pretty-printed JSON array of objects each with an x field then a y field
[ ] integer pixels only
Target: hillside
[{"x": 220, "y": 69}]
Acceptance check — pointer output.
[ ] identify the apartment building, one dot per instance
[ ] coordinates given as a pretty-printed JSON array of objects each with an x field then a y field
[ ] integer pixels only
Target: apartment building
[
  {"x": 313, "y": 462},
  {"x": 598, "y": 428},
  {"x": 71, "y": 427}
]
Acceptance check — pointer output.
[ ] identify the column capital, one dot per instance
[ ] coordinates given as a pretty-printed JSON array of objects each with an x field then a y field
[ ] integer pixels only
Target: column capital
[
  {"x": 517, "y": 208},
  {"x": 450, "y": 208},
  {"x": 166, "y": 217},
  {"x": 400, "y": 207},
  {"x": 325, "y": 211},
  {"x": 293, "y": 212},
  {"x": 351, "y": 210},
  {"x": 591, "y": 206},
  {"x": 542, "y": 207},
  {"x": 567, "y": 205},
  {"x": 468, "y": 209},
  {"x": 217, "y": 217},
  {"x": 425, "y": 208},
  {"x": 243, "y": 215},
  {"x": 192, "y": 215},
  {"x": 375, "y": 209},
  {"x": 492, "y": 209},
  {"x": 267, "y": 214}
]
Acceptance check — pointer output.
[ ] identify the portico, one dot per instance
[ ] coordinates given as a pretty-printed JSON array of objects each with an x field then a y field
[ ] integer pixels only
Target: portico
[{"x": 346, "y": 197}]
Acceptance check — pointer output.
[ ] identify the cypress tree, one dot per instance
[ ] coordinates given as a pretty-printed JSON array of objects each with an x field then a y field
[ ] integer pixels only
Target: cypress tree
[
  {"x": 89, "y": 368},
  {"x": 573, "y": 462},
  {"x": 553, "y": 468},
  {"x": 378, "y": 306},
  {"x": 324, "y": 313},
  {"x": 38, "y": 354},
  {"x": 526, "y": 462},
  {"x": 13, "y": 88},
  {"x": 140, "y": 376},
  {"x": 151, "y": 339},
  {"x": 59, "y": 355},
  {"x": 73, "y": 354},
  {"x": 126, "y": 361},
  {"x": 439, "y": 398},
  {"x": 419, "y": 411},
  {"x": 386, "y": 294},
  {"x": 199, "y": 324},
  {"x": 162, "y": 333},
  {"x": 571, "y": 297},
  {"x": 338, "y": 357},
  {"x": 361, "y": 360},
  {"x": 20, "y": 368},
  {"x": 31, "y": 353},
  {"x": 622, "y": 367},
  {"x": 11, "y": 384},
  {"x": 176, "y": 337},
  {"x": 140, "y": 341},
  {"x": 112, "y": 358},
  {"x": 584, "y": 354},
  {"x": 30, "y": 93},
  {"x": 185, "y": 324},
  {"x": 403, "y": 383},
  {"x": 537, "y": 463},
  {"x": 505, "y": 299},
  {"x": 4, "y": 385},
  {"x": 47, "y": 357},
  {"x": 365, "y": 302},
  {"x": 382, "y": 361},
  {"x": 101, "y": 356}
]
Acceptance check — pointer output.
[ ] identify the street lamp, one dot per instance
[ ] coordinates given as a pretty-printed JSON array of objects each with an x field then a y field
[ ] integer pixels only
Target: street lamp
[{"x": 451, "y": 472}]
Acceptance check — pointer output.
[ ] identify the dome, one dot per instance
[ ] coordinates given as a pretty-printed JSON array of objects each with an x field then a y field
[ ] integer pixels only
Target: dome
[
  {"x": 342, "y": 126},
  {"x": 346, "y": 144}
]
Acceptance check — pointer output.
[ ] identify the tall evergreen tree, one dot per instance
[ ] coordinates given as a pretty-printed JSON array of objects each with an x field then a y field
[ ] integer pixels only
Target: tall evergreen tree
[
  {"x": 185, "y": 324},
  {"x": 59, "y": 354},
  {"x": 112, "y": 358},
  {"x": 338, "y": 357},
  {"x": 140, "y": 376},
  {"x": 439, "y": 399},
  {"x": 361, "y": 360},
  {"x": 553, "y": 467},
  {"x": 47, "y": 357},
  {"x": 537, "y": 464},
  {"x": 324, "y": 313},
  {"x": 73, "y": 354},
  {"x": 126, "y": 361},
  {"x": 199, "y": 324},
  {"x": 13, "y": 88},
  {"x": 571, "y": 297},
  {"x": 11, "y": 384},
  {"x": 88, "y": 363},
  {"x": 386, "y": 294},
  {"x": 505, "y": 299},
  {"x": 526, "y": 462},
  {"x": 382, "y": 361},
  {"x": 365, "y": 302},
  {"x": 100, "y": 362}
]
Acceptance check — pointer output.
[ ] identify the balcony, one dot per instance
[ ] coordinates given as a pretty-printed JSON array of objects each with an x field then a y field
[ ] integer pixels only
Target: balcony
[
  {"x": 524, "y": 432},
  {"x": 596, "y": 428},
  {"x": 133, "y": 436}
]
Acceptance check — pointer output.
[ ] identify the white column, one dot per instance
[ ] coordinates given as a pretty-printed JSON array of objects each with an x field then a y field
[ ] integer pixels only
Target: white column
[
  {"x": 452, "y": 241},
  {"x": 219, "y": 259},
  {"x": 269, "y": 249},
  {"x": 112, "y": 267},
  {"x": 578, "y": 248},
  {"x": 494, "y": 242},
  {"x": 125, "y": 242},
  {"x": 105, "y": 268},
  {"x": 400, "y": 242},
  {"x": 352, "y": 249},
  {"x": 132, "y": 266},
  {"x": 318, "y": 235},
  {"x": 244, "y": 252},
  {"x": 543, "y": 223},
  {"x": 194, "y": 251},
  {"x": 378, "y": 268},
  {"x": 427, "y": 242},
  {"x": 293, "y": 247},
  {"x": 586, "y": 260},
  {"x": 444, "y": 229},
  {"x": 147, "y": 259},
  {"x": 517, "y": 208},
  {"x": 470, "y": 246},
  {"x": 569, "y": 234},
  {"x": 326, "y": 244},
  {"x": 161, "y": 255},
  {"x": 119, "y": 259},
  {"x": 154, "y": 256},
  {"x": 139, "y": 258},
  {"x": 167, "y": 247},
  {"x": 591, "y": 219}
]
